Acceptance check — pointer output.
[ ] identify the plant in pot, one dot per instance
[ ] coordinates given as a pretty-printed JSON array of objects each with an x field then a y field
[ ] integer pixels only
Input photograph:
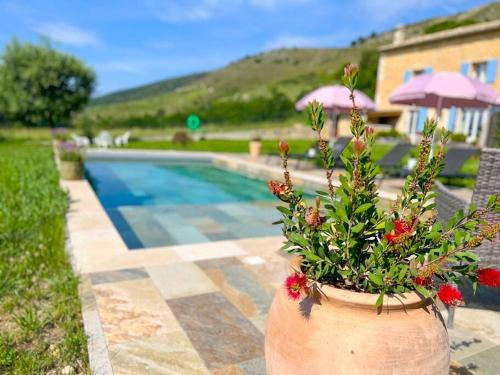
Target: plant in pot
[
  {"x": 70, "y": 161},
  {"x": 361, "y": 296},
  {"x": 255, "y": 147}
]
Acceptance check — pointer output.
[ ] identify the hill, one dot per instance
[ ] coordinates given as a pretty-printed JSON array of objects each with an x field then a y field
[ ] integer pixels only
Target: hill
[{"x": 254, "y": 79}]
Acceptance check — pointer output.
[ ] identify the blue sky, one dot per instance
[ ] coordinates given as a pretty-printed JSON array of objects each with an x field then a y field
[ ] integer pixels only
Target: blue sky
[{"x": 130, "y": 42}]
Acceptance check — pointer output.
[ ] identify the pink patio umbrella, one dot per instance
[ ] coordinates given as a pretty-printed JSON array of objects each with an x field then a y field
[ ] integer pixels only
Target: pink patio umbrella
[
  {"x": 444, "y": 90},
  {"x": 335, "y": 100}
]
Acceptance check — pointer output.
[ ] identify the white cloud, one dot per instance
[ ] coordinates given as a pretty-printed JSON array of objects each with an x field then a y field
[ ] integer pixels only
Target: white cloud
[
  {"x": 68, "y": 34},
  {"x": 188, "y": 10},
  {"x": 292, "y": 40}
]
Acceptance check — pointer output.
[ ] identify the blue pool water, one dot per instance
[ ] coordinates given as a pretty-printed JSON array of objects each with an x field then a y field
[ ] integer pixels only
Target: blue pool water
[{"x": 155, "y": 203}]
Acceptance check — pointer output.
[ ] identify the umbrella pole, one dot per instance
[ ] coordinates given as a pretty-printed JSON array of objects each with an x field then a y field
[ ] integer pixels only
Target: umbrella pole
[{"x": 335, "y": 123}]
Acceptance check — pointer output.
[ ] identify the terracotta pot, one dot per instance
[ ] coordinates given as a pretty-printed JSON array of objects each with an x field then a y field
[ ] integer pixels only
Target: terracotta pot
[
  {"x": 255, "y": 148},
  {"x": 71, "y": 170},
  {"x": 341, "y": 332}
]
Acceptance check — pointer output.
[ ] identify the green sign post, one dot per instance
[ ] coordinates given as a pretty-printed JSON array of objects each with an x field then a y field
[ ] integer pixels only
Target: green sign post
[{"x": 193, "y": 122}]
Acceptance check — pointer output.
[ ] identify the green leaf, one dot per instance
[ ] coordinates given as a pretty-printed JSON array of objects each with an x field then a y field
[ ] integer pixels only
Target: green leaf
[
  {"x": 422, "y": 291},
  {"x": 284, "y": 210},
  {"x": 363, "y": 208},
  {"x": 298, "y": 239},
  {"x": 376, "y": 279},
  {"x": 358, "y": 227},
  {"x": 380, "y": 299},
  {"x": 402, "y": 273}
]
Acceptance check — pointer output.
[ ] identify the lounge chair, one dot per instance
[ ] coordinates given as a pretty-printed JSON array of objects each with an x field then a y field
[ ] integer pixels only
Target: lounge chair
[
  {"x": 390, "y": 163},
  {"x": 337, "y": 147},
  {"x": 80, "y": 141},
  {"x": 122, "y": 140},
  {"x": 455, "y": 158},
  {"x": 103, "y": 139}
]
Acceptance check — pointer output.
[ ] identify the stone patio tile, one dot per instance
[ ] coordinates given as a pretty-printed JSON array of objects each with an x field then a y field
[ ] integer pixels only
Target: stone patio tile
[
  {"x": 167, "y": 354},
  {"x": 208, "y": 264},
  {"x": 229, "y": 370},
  {"x": 267, "y": 248},
  {"x": 96, "y": 344},
  {"x": 180, "y": 280},
  {"x": 132, "y": 310},
  {"x": 86, "y": 293},
  {"x": 255, "y": 366},
  {"x": 242, "y": 288},
  {"x": 270, "y": 272},
  {"x": 218, "y": 331},
  {"x": 116, "y": 276},
  {"x": 465, "y": 343},
  {"x": 485, "y": 362},
  {"x": 209, "y": 250}
]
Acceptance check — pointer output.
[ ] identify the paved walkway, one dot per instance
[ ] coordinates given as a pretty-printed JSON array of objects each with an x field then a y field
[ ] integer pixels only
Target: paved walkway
[{"x": 199, "y": 309}]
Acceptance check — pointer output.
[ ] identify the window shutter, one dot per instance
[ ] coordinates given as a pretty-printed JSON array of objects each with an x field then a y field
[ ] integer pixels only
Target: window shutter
[
  {"x": 464, "y": 68},
  {"x": 451, "y": 118},
  {"x": 422, "y": 115},
  {"x": 491, "y": 71},
  {"x": 406, "y": 75},
  {"x": 428, "y": 70}
]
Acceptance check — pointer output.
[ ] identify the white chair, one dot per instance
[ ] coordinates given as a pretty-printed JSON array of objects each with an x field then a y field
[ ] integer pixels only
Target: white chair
[
  {"x": 80, "y": 141},
  {"x": 122, "y": 140},
  {"x": 103, "y": 139}
]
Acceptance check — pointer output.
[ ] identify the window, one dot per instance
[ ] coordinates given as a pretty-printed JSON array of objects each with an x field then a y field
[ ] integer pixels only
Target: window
[
  {"x": 472, "y": 122},
  {"x": 479, "y": 71}
]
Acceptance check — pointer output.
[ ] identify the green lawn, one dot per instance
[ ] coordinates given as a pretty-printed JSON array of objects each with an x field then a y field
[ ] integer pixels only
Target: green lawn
[
  {"x": 240, "y": 146},
  {"x": 40, "y": 317}
]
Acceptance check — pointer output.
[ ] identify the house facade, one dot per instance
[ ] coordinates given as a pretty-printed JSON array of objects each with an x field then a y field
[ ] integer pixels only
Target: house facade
[{"x": 472, "y": 50}]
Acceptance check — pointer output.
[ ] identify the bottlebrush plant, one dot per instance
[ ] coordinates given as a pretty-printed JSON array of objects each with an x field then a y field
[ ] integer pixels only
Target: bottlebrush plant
[{"x": 346, "y": 241}]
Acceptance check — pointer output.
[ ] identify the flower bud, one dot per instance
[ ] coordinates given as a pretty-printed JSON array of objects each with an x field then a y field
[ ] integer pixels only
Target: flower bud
[
  {"x": 350, "y": 71},
  {"x": 359, "y": 146},
  {"x": 369, "y": 131},
  {"x": 283, "y": 147}
]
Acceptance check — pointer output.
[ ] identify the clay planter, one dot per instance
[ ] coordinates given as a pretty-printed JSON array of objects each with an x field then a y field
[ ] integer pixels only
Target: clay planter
[
  {"x": 71, "y": 170},
  {"x": 342, "y": 333},
  {"x": 255, "y": 148}
]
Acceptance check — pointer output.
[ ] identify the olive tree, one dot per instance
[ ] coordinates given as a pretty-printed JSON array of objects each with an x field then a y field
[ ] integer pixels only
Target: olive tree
[{"x": 40, "y": 86}]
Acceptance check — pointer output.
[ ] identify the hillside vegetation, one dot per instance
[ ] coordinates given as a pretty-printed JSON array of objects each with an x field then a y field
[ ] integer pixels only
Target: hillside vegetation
[{"x": 259, "y": 87}]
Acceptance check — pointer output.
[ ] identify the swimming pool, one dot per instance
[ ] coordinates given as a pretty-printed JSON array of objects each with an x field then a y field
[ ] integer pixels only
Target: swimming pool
[{"x": 164, "y": 203}]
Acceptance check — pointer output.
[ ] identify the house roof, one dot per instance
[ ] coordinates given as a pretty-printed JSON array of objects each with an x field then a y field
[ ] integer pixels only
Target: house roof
[{"x": 443, "y": 35}]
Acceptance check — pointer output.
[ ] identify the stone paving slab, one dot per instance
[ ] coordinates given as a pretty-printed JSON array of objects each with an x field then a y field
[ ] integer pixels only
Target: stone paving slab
[{"x": 199, "y": 309}]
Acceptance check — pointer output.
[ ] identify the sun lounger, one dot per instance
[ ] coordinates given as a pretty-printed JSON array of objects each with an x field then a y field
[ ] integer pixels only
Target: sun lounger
[
  {"x": 455, "y": 158},
  {"x": 391, "y": 162}
]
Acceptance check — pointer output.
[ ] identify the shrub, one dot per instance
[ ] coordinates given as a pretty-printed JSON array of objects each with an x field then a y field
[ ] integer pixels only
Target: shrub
[
  {"x": 69, "y": 152},
  {"x": 457, "y": 137},
  {"x": 182, "y": 138},
  {"x": 346, "y": 241},
  {"x": 393, "y": 133}
]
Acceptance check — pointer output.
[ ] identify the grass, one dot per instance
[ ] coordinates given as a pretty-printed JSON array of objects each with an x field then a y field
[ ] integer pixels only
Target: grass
[
  {"x": 240, "y": 146},
  {"x": 40, "y": 315}
]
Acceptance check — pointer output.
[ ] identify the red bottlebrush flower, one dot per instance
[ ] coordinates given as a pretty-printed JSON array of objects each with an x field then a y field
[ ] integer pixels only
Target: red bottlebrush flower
[
  {"x": 489, "y": 277},
  {"x": 401, "y": 227},
  {"x": 313, "y": 218},
  {"x": 359, "y": 146},
  {"x": 423, "y": 281},
  {"x": 294, "y": 284},
  {"x": 277, "y": 188},
  {"x": 449, "y": 295},
  {"x": 283, "y": 147},
  {"x": 391, "y": 238}
]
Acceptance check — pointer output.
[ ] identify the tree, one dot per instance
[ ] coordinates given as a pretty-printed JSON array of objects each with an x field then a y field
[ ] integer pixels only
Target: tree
[{"x": 40, "y": 86}]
